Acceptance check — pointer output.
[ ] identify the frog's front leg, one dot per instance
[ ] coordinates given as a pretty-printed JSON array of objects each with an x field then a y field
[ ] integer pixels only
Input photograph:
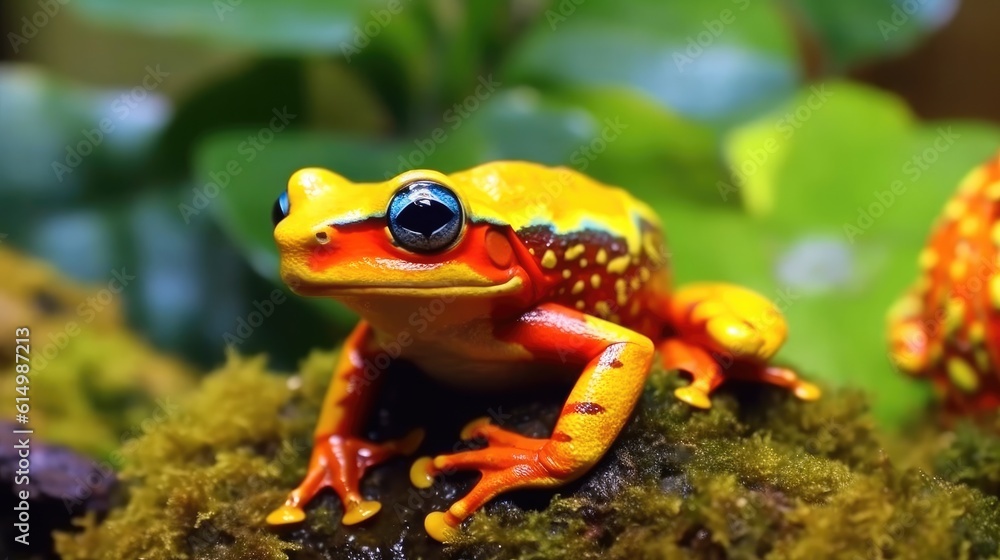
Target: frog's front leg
[
  {"x": 615, "y": 364},
  {"x": 339, "y": 458},
  {"x": 726, "y": 331}
]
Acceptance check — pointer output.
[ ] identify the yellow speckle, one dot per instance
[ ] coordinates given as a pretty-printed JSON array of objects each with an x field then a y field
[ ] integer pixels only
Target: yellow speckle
[
  {"x": 549, "y": 259},
  {"x": 954, "y": 209},
  {"x": 927, "y": 259},
  {"x": 958, "y": 270},
  {"x": 995, "y": 291},
  {"x": 995, "y": 233},
  {"x": 574, "y": 251},
  {"x": 567, "y": 273},
  {"x": 580, "y": 304},
  {"x": 531, "y": 251},
  {"x": 993, "y": 191},
  {"x": 602, "y": 257},
  {"x": 968, "y": 226},
  {"x": 615, "y": 318},
  {"x": 977, "y": 332},
  {"x": 644, "y": 274},
  {"x": 583, "y": 263},
  {"x": 602, "y": 308},
  {"x": 618, "y": 265},
  {"x": 954, "y": 314},
  {"x": 578, "y": 287},
  {"x": 595, "y": 281},
  {"x": 634, "y": 283},
  {"x": 634, "y": 309},
  {"x": 962, "y": 375},
  {"x": 621, "y": 292}
]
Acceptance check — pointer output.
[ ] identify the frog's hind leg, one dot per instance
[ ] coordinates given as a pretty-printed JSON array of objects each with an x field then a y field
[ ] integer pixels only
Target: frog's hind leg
[
  {"x": 706, "y": 374},
  {"x": 780, "y": 377},
  {"x": 726, "y": 331}
]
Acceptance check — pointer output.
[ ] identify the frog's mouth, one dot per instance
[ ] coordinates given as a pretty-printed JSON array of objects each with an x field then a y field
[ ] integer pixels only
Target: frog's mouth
[{"x": 333, "y": 289}]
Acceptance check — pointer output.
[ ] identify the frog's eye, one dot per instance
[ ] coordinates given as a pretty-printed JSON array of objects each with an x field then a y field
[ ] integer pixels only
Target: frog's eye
[
  {"x": 280, "y": 208},
  {"x": 425, "y": 216}
]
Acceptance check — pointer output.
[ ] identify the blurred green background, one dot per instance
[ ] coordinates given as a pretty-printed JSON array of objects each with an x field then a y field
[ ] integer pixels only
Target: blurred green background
[{"x": 155, "y": 135}]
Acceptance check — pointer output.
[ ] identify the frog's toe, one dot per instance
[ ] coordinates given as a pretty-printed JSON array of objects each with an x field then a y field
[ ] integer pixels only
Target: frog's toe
[
  {"x": 694, "y": 397},
  {"x": 441, "y": 526},
  {"x": 356, "y": 512},
  {"x": 807, "y": 391},
  {"x": 422, "y": 472},
  {"x": 286, "y": 515},
  {"x": 475, "y": 428}
]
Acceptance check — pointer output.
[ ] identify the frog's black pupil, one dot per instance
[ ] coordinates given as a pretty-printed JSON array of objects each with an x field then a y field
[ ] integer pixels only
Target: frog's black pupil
[{"x": 425, "y": 216}]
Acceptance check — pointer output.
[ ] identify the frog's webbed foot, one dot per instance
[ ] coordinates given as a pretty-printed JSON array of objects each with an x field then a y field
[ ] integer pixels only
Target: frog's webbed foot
[
  {"x": 509, "y": 461},
  {"x": 339, "y": 462}
]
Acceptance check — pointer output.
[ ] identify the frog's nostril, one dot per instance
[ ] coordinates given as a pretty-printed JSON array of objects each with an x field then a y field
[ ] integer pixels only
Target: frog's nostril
[{"x": 322, "y": 237}]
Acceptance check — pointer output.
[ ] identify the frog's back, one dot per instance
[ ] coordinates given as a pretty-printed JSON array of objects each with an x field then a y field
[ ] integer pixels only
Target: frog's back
[{"x": 600, "y": 249}]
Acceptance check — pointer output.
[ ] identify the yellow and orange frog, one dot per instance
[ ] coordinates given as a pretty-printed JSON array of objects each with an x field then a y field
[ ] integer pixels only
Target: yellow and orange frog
[
  {"x": 532, "y": 272},
  {"x": 947, "y": 326}
]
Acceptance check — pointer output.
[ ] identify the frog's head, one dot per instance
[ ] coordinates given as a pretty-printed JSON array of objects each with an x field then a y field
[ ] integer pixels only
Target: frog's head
[{"x": 412, "y": 235}]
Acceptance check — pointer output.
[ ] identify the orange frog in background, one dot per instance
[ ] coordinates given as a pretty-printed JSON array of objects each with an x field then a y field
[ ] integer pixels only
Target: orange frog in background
[
  {"x": 947, "y": 326},
  {"x": 546, "y": 273}
]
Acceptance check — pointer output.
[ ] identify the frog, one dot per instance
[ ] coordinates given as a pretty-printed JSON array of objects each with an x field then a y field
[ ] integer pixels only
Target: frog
[
  {"x": 521, "y": 272},
  {"x": 945, "y": 328}
]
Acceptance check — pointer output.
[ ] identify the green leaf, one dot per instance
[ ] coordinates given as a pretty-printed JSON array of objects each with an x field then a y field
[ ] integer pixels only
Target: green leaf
[
  {"x": 847, "y": 183},
  {"x": 63, "y": 140},
  {"x": 853, "y": 31},
  {"x": 292, "y": 26},
  {"x": 717, "y": 60}
]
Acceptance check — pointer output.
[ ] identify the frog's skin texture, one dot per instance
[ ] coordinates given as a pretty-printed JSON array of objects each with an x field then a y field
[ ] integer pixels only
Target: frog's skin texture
[
  {"x": 947, "y": 326},
  {"x": 551, "y": 276}
]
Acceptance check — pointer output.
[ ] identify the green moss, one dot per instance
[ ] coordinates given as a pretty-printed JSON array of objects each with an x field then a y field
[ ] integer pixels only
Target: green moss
[
  {"x": 94, "y": 385},
  {"x": 760, "y": 475},
  {"x": 973, "y": 456}
]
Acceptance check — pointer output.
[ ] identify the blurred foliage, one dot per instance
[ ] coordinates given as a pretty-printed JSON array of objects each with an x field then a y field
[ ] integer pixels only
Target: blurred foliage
[
  {"x": 178, "y": 185},
  {"x": 760, "y": 475}
]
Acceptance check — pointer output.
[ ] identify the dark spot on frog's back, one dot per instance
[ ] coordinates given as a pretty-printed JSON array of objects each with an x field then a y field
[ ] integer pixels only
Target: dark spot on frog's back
[{"x": 588, "y": 408}]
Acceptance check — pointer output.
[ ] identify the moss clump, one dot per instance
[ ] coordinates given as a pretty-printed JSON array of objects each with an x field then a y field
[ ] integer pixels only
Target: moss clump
[
  {"x": 972, "y": 456},
  {"x": 760, "y": 475},
  {"x": 94, "y": 385}
]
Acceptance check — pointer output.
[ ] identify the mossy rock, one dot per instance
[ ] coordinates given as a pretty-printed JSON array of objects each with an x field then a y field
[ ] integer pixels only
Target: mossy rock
[
  {"x": 94, "y": 385},
  {"x": 760, "y": 475}
]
